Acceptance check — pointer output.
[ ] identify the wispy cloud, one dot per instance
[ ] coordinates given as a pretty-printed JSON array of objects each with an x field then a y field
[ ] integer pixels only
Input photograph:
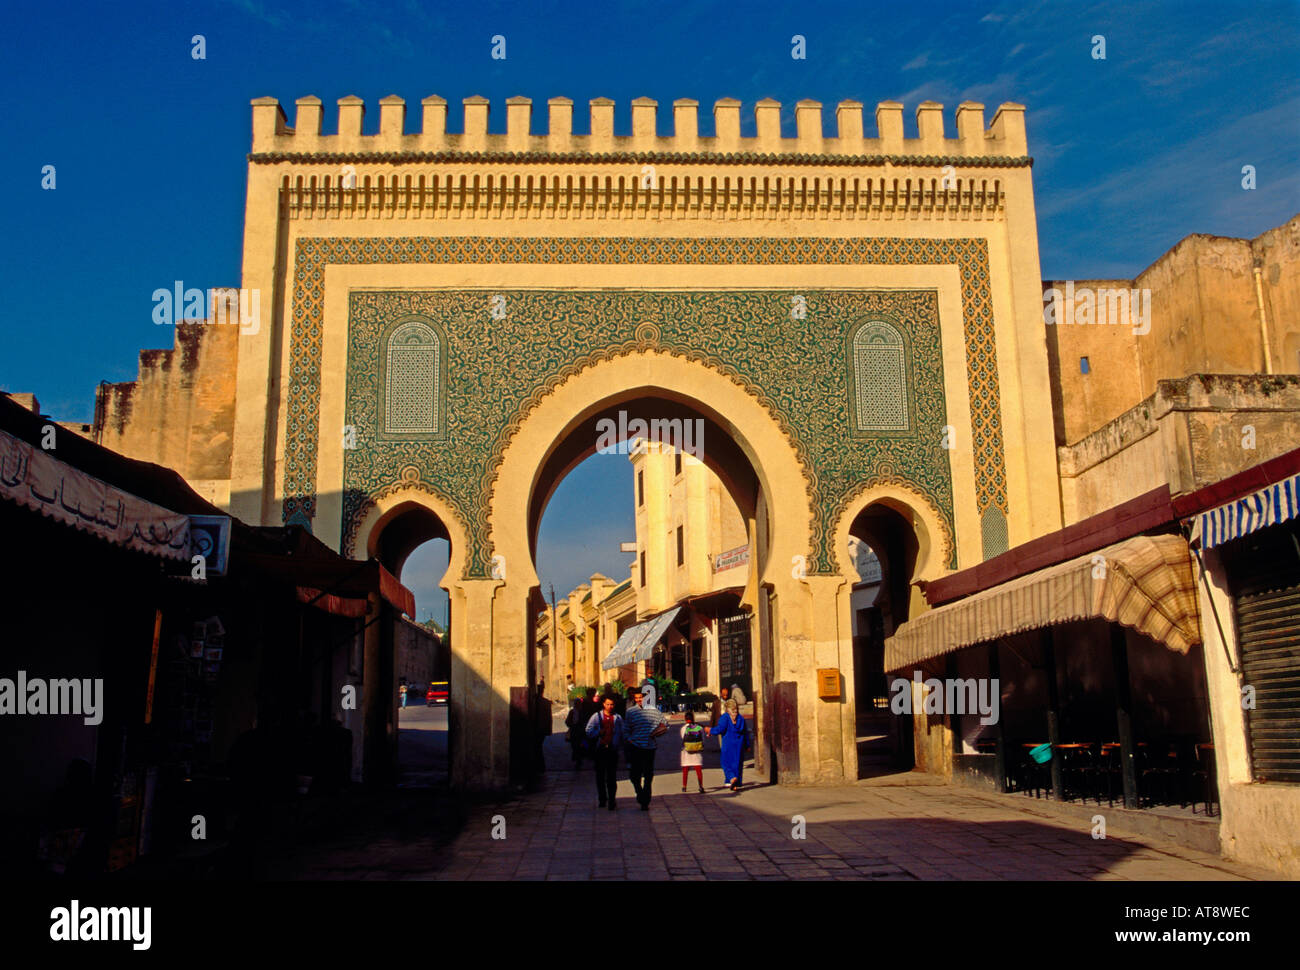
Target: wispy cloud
[{"x": 259, "y": 11}]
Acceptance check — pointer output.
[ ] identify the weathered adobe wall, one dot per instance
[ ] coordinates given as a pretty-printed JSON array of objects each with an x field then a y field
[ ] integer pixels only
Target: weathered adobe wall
[
  {"x": 415, "y": 660},
  {"x": 1188, "y": 434},
  {"x": 1205, "y": 319},
  {"x": 180, "y": 409}
]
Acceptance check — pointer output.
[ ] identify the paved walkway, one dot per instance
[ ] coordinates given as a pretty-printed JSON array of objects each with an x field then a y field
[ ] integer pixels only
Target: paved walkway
[{"x": 859, "y": 832}]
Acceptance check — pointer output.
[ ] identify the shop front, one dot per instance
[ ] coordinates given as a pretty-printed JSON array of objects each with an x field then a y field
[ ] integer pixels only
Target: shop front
[
  {"x": 1247, "y": 551},
  {"x": 1083, "y": 680}
]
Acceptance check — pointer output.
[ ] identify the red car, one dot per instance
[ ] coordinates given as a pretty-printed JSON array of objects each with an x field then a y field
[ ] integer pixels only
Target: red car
[{"x": 438, "y": 693}]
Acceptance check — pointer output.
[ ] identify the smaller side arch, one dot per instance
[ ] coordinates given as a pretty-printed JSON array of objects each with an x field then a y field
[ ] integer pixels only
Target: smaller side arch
[
  {"x": 386, "y": 506},
  {"x": 933, "y": 538}
]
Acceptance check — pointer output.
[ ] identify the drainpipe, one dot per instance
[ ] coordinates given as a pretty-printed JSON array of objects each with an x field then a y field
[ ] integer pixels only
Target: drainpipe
[{"x": 1263, "y": 318}]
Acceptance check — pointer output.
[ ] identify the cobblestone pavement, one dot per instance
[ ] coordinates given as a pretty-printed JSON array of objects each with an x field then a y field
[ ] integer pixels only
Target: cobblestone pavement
[{"x": 858, "y": 832}]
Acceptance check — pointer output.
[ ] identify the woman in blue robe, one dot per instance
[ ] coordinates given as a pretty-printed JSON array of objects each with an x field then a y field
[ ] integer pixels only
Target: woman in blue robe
[{"x": 731, "y": 729}]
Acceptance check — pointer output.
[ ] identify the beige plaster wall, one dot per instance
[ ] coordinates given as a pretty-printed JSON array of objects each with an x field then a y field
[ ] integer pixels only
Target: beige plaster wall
[
  {"x": 1205, "y": 319},
  {"x": 414, "y": 646},
  {"x": 180, "y": 409},
  {"x": 1188, "y": 434}
]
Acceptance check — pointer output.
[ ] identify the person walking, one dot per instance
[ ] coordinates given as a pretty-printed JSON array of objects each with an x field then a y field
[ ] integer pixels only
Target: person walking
[
  {"x": 643, "y": 725},
  {"x": 606, "y": 731},
  {"x": 402, "y": 690},
  {"x": 731, "y": 731},
  {"x": 590, "y": 705},
  {"x": 719, "y": 705},
  {"x": 692, "y": 751},
  {"x": 576, "y": 725}
]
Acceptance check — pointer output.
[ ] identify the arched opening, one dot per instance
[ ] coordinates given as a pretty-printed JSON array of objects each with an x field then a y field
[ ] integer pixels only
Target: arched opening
[
  {"x": 883, "y": 550},
  {"x": 583, "y": 571},
  {"x": 744, "y": 445},
  {"x": 668, "y": 499},
  {"x": 412, "y": 541}
]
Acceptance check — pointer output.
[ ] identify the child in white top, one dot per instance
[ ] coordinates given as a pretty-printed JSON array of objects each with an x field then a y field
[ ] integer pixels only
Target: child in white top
[{"x": 692, "y": 751}]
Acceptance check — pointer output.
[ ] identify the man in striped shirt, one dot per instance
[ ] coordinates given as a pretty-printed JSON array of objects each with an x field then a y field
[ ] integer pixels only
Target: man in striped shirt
[{"x": 642, "y": 728}]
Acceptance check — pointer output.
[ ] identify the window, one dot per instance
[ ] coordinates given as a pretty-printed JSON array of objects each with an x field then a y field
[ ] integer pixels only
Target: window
[
  {"x": 413, "y": 362},
  {"x": 681, "y": 547},
  {"x": 1084, "y": 367},
  {"x": 879, "y": 372},
  {"x": 677, "y": 463},
  {"x": 640, "y": 488},
  {"x": 642, "y": 571}
]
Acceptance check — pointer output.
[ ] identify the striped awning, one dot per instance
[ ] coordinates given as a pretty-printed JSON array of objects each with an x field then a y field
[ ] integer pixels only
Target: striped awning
[
  {"x": 1269, "y": 506},
  {"x": 1144, "y": 583},
  {"x": 638, "y": 642}
]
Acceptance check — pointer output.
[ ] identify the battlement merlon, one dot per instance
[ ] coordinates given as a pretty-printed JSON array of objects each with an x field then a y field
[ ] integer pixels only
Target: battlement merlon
[{"x": 1003, "y": 140}]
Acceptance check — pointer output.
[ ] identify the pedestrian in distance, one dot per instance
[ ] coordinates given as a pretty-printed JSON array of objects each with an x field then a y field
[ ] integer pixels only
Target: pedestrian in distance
[
  {"x": 590, "y": 706},
  {"x": 402, "y": 691},
  {"x": 575, "y": 722},
  {"x": 731, "y": 732},
  {"x": 719, "y": 705},
  {"x": 692, "y": 751},
  {"x": 643, "y": 725},
  {"x": 606, "y": 733}
]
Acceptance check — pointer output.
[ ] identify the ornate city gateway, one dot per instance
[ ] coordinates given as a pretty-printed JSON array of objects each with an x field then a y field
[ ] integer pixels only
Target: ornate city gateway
[{"x": 857, "y": 322}]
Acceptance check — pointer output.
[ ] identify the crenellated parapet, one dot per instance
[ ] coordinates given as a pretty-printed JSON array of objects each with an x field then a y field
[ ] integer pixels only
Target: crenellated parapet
[
  {"x": 686, "y": 175},
  {"x": 1001, "y": 144}
]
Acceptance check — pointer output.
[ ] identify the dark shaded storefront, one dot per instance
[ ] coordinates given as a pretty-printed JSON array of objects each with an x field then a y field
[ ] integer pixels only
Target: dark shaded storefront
[{"x": 223, "y": 687}]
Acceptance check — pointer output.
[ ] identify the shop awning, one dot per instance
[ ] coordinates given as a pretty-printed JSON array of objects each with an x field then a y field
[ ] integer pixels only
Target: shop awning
[
  {"x": 638, "y": 642},
  {"x": 38, "y": 481},
  {"x": 336, "y": 605},
  {"x": 1144, "y": 583},
  {"x": 1271, "y": 505},
  {"x": 293, "y": 556}
]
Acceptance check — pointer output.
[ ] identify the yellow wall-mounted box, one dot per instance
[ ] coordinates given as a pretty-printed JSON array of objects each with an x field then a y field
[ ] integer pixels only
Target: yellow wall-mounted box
[{"x": 828, "y": 683}]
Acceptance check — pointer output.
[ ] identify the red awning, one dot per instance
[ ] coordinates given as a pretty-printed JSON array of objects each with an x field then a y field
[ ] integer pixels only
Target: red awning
[
  {"x": 293, "y": 556},
  {"x": 335, "y": 605}
]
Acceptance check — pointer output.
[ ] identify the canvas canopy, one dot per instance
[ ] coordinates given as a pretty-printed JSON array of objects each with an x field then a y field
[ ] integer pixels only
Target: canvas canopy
[{"x": 1144, "y": 583}]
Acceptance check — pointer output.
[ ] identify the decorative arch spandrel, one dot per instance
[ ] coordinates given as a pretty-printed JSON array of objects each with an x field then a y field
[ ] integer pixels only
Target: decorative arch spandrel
[{"x": 796, "y": 368}]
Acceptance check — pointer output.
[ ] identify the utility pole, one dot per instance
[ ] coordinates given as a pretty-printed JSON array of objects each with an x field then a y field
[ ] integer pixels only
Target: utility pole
[{"x": 555, "y": 645}]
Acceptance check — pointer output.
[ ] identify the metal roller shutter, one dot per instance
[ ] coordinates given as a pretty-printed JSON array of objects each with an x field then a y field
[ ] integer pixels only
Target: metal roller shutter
[{"x": 1267, "y": 607}]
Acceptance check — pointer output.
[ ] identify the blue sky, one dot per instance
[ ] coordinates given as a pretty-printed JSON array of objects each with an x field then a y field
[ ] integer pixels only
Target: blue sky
[{"x": 1131, "y": 153}]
